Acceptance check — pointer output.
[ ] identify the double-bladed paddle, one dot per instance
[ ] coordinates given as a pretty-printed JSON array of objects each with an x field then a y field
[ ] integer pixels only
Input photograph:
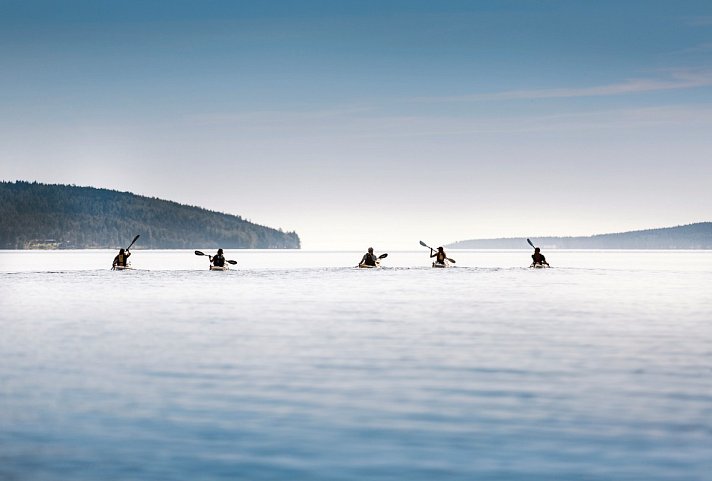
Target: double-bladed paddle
[
  {"x": 229, "y": 261},
  {"x": 426, "y": 245}
]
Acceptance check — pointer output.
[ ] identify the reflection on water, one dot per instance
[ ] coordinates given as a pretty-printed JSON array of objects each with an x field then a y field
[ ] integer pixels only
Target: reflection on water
[{"x": 294, "y": 366}]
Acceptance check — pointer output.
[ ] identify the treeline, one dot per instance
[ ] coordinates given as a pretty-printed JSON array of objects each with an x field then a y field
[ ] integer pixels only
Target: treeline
[
  {"x": 691, "y": 236},
  {"x": 35, "y": 215}
]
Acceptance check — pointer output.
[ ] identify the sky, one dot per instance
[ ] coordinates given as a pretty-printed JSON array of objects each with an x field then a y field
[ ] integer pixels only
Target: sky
[{"x": 371, "y": 123}]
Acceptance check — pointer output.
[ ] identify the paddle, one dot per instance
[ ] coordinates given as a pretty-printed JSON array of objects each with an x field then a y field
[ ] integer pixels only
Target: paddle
[
  {"x": 426, "y": 245},
  {"x": 229, "y": 261},
  {"x": 530, "y": 243},
  {"x": 134, "y": 240}
]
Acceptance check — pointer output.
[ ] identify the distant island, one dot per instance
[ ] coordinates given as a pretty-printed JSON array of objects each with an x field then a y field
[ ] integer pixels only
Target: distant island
[
  {"x": 691, "y": 236},
  {"x": 43, "y": 216}
]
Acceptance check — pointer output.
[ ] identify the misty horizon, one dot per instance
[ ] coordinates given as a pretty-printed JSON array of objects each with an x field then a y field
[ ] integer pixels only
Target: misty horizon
[{"x": 494, "y": 242}]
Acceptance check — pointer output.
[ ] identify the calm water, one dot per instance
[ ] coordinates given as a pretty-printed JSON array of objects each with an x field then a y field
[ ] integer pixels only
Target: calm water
[{"x": 296, "y": 367}]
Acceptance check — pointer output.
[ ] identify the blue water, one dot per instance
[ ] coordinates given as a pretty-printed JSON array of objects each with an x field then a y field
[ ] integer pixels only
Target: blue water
[{"x": 598, "y": 369}]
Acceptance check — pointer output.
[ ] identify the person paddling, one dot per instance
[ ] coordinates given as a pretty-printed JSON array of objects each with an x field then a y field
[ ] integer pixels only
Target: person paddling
[
  {"x": 439, "y": 255},
  {"x": 121, "y": 260},
  {"x": 218, "y": 260},
  {"x": 369, "y": 258},
  {"x": 538, "y": 258}
]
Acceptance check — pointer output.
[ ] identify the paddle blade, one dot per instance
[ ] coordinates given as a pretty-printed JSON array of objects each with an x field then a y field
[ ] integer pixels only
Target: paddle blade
[
  {"x": 530, "y": 243},
  {"x": 424, "y": 244},
  {"x": 451, "y": 260},
  {"x": 231, "y": 262},
  {"x": 198, "y": 253},
  {"x": 383, "y": 256},
  {"x": 134, "y": 240}
]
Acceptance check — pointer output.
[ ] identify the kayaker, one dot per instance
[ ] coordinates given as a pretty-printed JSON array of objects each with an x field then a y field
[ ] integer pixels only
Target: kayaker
[
  {"x": 539, "y": 258},
  {"x": 439, "y": 255},
  {"x": 121, "y": 259},
  {"x": 218, "y": 260},
  {"x": 369, "y": 258}
]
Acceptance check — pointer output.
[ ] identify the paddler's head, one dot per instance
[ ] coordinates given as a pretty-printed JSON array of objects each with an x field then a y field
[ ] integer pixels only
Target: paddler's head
[
  {"x": 536, "y": 250},
  {"x": 219, "y": 252},
  {"x": 121, "y": 251},
  {"x": 440, "y": 249},
  {"x": 370, "y": 250}
]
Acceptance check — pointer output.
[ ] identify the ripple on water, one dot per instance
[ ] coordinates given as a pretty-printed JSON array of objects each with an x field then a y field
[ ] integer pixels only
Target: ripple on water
[{"x": 336, "y": 373}]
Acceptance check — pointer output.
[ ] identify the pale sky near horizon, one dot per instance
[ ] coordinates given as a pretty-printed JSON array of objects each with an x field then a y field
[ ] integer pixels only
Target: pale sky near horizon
[{"x": 373, "y": 122}]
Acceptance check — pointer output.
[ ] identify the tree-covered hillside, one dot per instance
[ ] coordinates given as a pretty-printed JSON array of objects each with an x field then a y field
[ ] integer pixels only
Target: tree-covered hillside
[
  {"x": 34, "y": 215},
  {"x": 691, "y": 236}
]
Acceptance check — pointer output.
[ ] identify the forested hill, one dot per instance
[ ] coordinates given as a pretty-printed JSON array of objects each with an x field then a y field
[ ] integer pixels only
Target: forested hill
[
  {"x": 691, "y": 236},
  {"x": 34, "y": 215}
]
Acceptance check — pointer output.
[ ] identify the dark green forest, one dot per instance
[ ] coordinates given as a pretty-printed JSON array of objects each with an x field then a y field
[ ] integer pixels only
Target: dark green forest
[
  {"x": 691, "y": 236},
  {"x": 34, "y": 215}
]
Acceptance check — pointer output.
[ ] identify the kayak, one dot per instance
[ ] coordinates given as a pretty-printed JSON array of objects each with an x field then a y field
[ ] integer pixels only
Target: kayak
[
  {"x": 538, "y": 266},
  {"x": 364, "y": 266},
  {"x": 219, "y": 268},
  {"x": 122, "y": 268},
  {"x": 444, "y": 265}
]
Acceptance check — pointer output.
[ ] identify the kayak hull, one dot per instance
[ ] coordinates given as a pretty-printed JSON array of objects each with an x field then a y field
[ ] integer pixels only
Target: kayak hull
[
  {"x": 122, "y": 268},
  {"x": 445, "y": 265},
  {"x": 364, "y": 266},
  {"x": 219, "y": 268},
  {"x": 538, "y": 266}
]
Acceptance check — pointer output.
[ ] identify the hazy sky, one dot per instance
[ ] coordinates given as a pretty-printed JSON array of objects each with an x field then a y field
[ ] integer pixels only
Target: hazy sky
[{"x": 371, "y": 122}]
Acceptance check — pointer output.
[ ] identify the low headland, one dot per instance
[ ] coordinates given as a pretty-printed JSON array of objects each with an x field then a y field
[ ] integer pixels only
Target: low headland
[
  {"x": 690, "y": 236},
  {"x": 49, "y": 216}
]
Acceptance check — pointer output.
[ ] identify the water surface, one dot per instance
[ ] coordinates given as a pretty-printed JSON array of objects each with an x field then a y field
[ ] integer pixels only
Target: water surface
[{"x": 298, "y": 366}]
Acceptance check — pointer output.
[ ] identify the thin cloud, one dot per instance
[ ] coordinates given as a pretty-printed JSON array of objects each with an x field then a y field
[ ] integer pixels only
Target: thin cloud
[
  {"x": 676, "y": 81},
  {"x": 616, "y": 119},
  {"x": 702, "y": 21},
  {"x": 703, "y": 47},
  {"x": 275, "y": 116}
]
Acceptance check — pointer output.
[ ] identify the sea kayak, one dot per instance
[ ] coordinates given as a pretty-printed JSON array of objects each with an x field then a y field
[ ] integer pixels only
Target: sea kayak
[
  {"x": 364, "y": 266},
  {"x": 538, "y": 266},
  {"x": 444, "y": 265},
  {"x": 122, "y": 268},
  {"x": 219, "y": 268}
]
